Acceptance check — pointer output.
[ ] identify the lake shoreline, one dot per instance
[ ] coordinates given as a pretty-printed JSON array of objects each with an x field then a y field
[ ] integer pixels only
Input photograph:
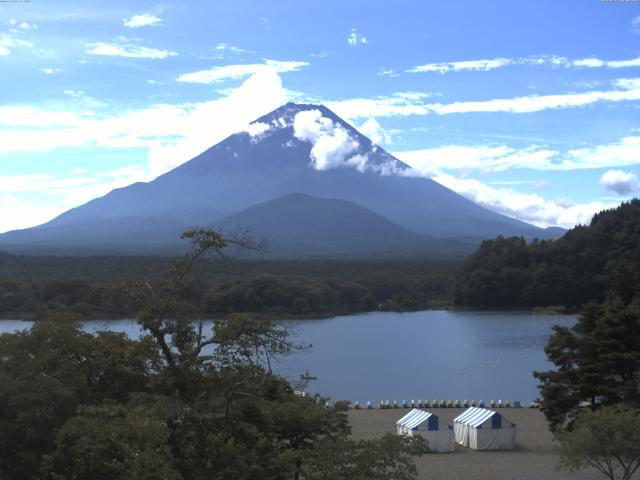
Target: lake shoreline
[{"x": 324, "y": 315}]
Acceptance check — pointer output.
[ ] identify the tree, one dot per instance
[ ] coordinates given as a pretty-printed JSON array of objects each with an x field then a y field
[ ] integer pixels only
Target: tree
[
  {"x": 387, "y": 458},
  {"x": 607, "y": 439},
  {"x": 50, "y": 370},
  {"x": 597, "y": 360}
]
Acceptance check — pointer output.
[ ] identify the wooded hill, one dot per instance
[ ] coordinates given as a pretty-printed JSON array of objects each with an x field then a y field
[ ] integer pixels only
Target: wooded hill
[{"x": 572, "y": 270}]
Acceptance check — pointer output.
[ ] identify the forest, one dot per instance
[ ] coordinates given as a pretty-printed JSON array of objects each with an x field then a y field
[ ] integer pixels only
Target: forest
[
  {"x": 569, "y": 271},
  {"x": 91, "y": 287},
  {"x": 504, "y": 273}
]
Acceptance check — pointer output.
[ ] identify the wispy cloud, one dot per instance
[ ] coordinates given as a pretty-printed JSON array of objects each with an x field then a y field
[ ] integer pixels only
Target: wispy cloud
[
  {"x": 355, "y": 38},
  {"x": 219, "y": 74},
  {"x": 171, "y": 133},
  {"x": 635, "y": 24},
  {"x": 498, "y": 158},
  {"x": 627, "y": 89},
  {"x": 50, "y": 71},
  {"x": 484, "y": 65},
  {"x": 143, "y": 20},
  {"x": 11, "y": 40},
  {"x": 474, "y": 65},
  {"x": 123, "y": 47}
]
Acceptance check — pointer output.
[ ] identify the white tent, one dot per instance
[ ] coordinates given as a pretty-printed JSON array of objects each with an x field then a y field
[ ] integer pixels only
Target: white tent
[
  {"x": 483, "y": 429},
  {"x": 426, "y": 424}
]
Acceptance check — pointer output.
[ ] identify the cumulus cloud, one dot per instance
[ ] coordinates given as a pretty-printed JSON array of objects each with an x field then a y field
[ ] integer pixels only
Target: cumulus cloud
[
  {"x": 355, "y": 38},
  {"x": 333, "y": 147},
  {"x": 531, "y": 208},
  {"x": 623, "y": 183},
  {"x": 372, "y": 129},
  {"x": 256, "y": 130},
  {"x": 144, "y": 20},
  {"x": 127, "y": 50},
  {"x": 218, "y": 74}
]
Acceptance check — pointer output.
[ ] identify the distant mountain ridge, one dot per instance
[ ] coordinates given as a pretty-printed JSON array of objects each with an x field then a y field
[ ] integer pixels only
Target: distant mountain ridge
[{"x": 304, "y": 149}]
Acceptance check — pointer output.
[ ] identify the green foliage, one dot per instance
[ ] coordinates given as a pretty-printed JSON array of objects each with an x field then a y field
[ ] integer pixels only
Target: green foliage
[
  {"x": 47, "y": 372},
  {"x": 179, "y": 404},
  {"x": 607, "y": 439},
  {"x": 35, "y": 287},
  {"x": 388, "y": 458},
  {"x": 571, "y": 271},
  {"x": 597, "y": 361}
]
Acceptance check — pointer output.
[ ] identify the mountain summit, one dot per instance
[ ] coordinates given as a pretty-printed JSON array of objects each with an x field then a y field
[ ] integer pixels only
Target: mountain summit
[{"x": 296, "y": 148}]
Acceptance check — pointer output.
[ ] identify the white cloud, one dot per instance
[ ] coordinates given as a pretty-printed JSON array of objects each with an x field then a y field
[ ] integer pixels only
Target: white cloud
[
  {"x": 474, "y": 65},
  {"x": 629, "y": 89},
  {"x": 127, "y": 50},
  {"x": 495, "y": 158},
  {"x": 399, "y": 104},
  {"x": 355, "y": 38},
  {"x": 9, "y": 41},
  {"x": 256, "y": 130},
  {"x": 387, "y": 72},
  {"x": 555, "y": 61},
  {"x": 372, "y": 129},
  {"x": 50, "y": 71},
  {"x": 16, "y": 213},
  {"x": 333, "y": 147},
  {"x": 635, "y": 24},
  {"x": 19, "y": 210},
  {"x": 412, "y": 103},
  {"x": 623, "y": 183},
  {"x": 218, "y": 74},
  {"x": 172, "y": 134},
  {"x": 531, "y": 208},
  {"x": 144, "y": 20}
]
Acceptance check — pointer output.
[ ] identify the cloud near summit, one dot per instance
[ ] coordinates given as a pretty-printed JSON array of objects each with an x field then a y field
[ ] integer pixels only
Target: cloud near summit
[{"x": 333, "y": 147}]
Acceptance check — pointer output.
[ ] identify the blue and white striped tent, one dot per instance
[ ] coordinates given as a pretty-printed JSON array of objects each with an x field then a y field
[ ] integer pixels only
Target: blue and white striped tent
[
  {"x": 484, "y": 429},
  {"x": 427, "y": 425}
]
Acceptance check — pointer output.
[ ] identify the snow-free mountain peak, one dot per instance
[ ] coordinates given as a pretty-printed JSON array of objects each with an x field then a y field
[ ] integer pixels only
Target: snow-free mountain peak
[{"x": 296, "y": 148}]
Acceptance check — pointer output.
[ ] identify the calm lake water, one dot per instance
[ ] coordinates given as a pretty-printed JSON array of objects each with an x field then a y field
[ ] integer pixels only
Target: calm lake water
[{"x": 420, "y": 355}]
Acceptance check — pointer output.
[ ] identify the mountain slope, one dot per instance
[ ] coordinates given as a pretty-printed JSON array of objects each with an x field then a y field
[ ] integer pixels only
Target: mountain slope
[
  {"x": 296, "y": 148},
  {"x": 299, "y": 224}
]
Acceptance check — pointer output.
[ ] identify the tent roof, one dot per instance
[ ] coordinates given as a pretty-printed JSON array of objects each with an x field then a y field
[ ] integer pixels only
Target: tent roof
[
  {"x": 414, "y": 418},
  {"x": 475, "y": 416}
]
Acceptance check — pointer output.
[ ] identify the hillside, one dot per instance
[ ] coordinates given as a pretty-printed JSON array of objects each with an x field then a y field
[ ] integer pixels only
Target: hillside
[{"x": 577, "y": 268}]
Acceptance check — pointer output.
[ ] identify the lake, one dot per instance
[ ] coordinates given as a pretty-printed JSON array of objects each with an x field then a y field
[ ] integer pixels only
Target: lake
[{"x": 419, "y": 355}]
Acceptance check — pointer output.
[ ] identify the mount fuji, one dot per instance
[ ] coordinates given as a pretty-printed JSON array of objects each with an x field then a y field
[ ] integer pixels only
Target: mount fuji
[{"x": 299, "y": 175}]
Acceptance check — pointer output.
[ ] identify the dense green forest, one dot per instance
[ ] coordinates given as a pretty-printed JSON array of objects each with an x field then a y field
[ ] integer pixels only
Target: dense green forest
[
  {"x": 578, "y": 268},
  {"x": 33, "y": 287}
]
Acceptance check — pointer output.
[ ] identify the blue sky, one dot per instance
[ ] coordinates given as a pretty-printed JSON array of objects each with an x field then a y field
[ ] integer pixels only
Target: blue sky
[{"x": 530, "y": 108}]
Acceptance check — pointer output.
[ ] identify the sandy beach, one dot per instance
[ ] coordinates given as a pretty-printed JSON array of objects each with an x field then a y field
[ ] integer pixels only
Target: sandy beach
[{"x": 534, "y": 458}]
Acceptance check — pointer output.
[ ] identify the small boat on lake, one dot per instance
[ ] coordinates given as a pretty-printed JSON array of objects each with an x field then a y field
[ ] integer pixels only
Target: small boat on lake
[{"x": 307, "y": 376}]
